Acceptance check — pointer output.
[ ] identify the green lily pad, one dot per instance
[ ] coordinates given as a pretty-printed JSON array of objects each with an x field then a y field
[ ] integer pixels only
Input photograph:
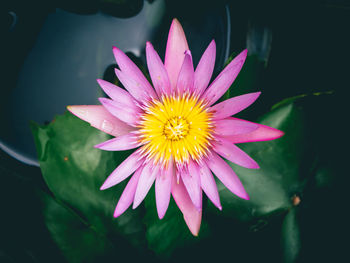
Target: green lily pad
[
  {"x": 74, "y": 172},
  {"x": 271, "y": 187}
]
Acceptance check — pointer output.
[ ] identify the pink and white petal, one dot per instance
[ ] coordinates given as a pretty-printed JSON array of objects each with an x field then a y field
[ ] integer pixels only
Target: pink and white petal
[
  {"x": 157, "y": 71},
  {"x": 226, "y": 175},
  {"x": 119, "y": 95},
  {"x": 121, "y": 143},
  {"x": 128, "y": 194},
  {"x": 146, "y": 180},
  {"x": 234, "y": 154},
  {"x": 191, "y": 180},
  {"x": 175, "y": 52},
  {"x": 186, "y": 76},
  {"x": 229, "y": 127},
  {"x": 163, "y": 189},
  {"x": 192, "y": 216},
  {"x": 101, "y": 119},
  {"x": 223, "y": 82},
  {"x": 135, "y": 88},
  {"x": 234, "y": 105},
  {"x": 132, "y": 71},
  {"x": 209, "y": 186},
  {"x": 205, "y": 68},
  {"x": 121, "y": 112},
  {"x": 123, "y": 171},
  {"x": 263, "y": 133}
]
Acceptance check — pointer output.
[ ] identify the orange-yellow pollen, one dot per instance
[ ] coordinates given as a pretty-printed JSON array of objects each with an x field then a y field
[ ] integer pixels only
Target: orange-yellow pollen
[{"x": 175, "y": 128}]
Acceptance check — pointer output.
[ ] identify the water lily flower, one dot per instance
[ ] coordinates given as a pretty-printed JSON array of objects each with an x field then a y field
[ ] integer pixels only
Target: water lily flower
[{"x": 181, "y": 136}]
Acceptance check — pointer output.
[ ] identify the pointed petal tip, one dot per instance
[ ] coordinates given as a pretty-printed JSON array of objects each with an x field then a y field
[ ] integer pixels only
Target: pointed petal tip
[
  {"x": 276, "y": 134},
  {"x": 97, "y": 146},
  {"x": 77, "y": 110},
  {"x": 175, "y": 22},
  {"x": 103, "y": 100},
  {"x": 161, "y": 216},
  {"x": 136, "y": 204},
  {"x": 212, "y": 44},
  {"x": 176, "y": 26},
  {"x": 102, "y": 82},
  {"x": 116, "y": 213},
  {"x": 188, "y": 53},
  {"x": 255, "y": 95},
  {"x": 244, "y": 196},
  {"x": 100, "y": 145},
  {"x": 279, "y": 134},
  {"x": 115, "y": 51},
  {"x": 194, "y": 223},
  {"x": 218, "y": 204},
  {"x": 243, "y": 56},
  {"x": 104, "y": 187},
  {"x": 241, "y": 193}
]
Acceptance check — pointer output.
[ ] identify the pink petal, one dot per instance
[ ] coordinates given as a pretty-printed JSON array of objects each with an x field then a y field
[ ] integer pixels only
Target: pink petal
[
  {"x": 234, "y": 105},
  {"x": 263, "y": 133},
  {"x": 192, "y": 183},
  {"x": 205, "y": 68},
  {"x": 123, "y": 171},
  {"x": 192, "y": 216},
  {"x": 163, "y": 189},
  {"x": 134, "y": 87},
  {"x": 157, "y": 71},
  {"x": 128, "y": 194},
  {"x": 121, "y": 143},
  {"x": 228, "y": 127},
  {"x": 175, "y": 52},
  {"x": 186, "y": 75},
  {"x": 100, "y": 118},
  {"x": 141, "y": 89},
  {"x": 226, "y": 175},
  {"x": 119, "y": 95},
  {"x": 222, "y": 82},
  {"x": 146, "y": 180},
  {"x": 123, "y": 113},
  {"x": 234, "y": 154},
  {"x": 209, "y": 186}
]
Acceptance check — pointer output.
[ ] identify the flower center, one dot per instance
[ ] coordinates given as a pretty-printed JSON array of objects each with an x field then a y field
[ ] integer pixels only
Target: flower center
[{"x": 175, "y": 128}]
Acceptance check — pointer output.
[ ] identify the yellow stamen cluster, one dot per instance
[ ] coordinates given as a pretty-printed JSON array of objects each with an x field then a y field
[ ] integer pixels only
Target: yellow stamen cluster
[{"x": 175, "y": 127}]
